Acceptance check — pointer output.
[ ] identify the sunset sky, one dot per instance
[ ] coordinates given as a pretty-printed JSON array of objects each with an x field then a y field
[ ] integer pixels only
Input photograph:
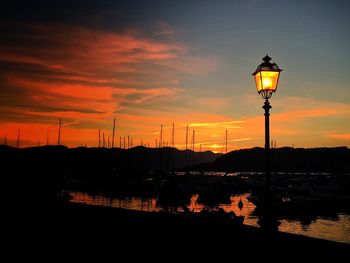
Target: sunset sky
[{"x": 189, "y": 62}]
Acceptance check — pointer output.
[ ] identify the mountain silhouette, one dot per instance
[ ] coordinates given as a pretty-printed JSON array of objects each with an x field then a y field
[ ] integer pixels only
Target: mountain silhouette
[{"x": 286, "y": 159}]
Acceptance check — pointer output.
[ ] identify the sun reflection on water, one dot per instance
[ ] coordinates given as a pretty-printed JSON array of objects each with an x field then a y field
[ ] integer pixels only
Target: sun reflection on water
[{"x": 326, "y": 228}]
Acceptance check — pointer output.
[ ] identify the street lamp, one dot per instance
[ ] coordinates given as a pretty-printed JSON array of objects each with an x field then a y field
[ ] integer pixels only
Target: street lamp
[{"x": 266, "y": 80}]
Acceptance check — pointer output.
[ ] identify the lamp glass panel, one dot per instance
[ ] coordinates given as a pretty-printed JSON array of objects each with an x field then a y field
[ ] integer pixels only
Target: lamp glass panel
[{"x": 266, "y": 80}]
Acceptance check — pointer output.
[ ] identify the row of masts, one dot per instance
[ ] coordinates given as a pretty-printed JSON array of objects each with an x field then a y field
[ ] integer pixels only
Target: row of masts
[
  {"x": 47, "y": 136},
  {"x": 127, "y": 142}
]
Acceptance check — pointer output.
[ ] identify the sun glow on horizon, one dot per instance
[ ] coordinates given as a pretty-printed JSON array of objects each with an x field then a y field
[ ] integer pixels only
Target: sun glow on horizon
[{"x": 87, "y": 75}]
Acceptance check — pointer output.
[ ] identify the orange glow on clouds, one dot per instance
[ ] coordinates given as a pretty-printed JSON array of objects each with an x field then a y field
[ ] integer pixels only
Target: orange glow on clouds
[
  {"x": 341, "y": 136},
  {"x": 86, "y": 77}
]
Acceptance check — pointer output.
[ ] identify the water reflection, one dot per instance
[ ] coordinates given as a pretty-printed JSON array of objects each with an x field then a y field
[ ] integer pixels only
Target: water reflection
[
  {"x": 151, "y": 204},
  {"x": 326, "y": 228},
  {"x": 336, "y": 229},
  {"x": 135, "y": 203},
  {"x": 207, "y": 173}
]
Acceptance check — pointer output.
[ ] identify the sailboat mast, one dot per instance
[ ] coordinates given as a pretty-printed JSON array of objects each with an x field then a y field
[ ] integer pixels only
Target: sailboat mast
[
  {"x": 173, "y": 136},
  {"x": 186, "y": 161},
  {"x": 186, "y": 136},
  {"x": 173, "y": 150},
  {"x": 193, "y": 133},
  {"x": 99, "y": 138},
  {"x": 113, "y": 132},
  {"x": 161, "y": 136},
  {"x": 226, "y": 142},
  {"x": 226, "y": 152}
]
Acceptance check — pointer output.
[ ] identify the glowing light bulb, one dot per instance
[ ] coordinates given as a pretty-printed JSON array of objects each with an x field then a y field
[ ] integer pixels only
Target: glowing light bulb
[{"x": 267, "y": 83}]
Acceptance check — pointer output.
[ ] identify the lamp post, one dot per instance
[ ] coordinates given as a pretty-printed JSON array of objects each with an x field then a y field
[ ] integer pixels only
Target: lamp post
[{"x": 266, "y": 80}]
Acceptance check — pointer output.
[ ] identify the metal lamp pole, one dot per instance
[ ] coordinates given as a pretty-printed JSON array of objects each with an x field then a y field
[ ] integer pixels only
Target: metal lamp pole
[
  {"x": 268, "y": 213},
  {"x": 266, "y": 79}
]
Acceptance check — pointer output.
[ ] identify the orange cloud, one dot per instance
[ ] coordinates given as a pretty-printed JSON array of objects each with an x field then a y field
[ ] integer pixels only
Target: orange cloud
[
  {"x": 88, "y": 76},
  {"x": 339, "y": 136},
  {"x": 222, "y": 124},
  {"x": 302, "y": 122},
  {"x": 147, "y": 128},
  {"x": 300, "y": 108},
  {"x": 85, "y": 76}
]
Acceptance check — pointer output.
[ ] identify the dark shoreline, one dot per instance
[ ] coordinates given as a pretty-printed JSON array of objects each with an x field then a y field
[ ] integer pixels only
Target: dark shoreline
[{"x": 66, "y": 226}]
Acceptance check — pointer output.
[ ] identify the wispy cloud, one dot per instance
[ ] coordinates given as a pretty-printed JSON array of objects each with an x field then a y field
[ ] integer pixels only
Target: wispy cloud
[
  {"x": 339, "y": 136},
  {"x": 303, "y": 122},
  {"x": 297, "y": 108},
  {"x": 222, "y": 124},
  {"x": 88, "y": 75}
]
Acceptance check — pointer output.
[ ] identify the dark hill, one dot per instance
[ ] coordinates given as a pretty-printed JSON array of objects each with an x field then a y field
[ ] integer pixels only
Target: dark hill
[
  {"x": 286, "y": 159},
  {"x": 134, "y": 159}
]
